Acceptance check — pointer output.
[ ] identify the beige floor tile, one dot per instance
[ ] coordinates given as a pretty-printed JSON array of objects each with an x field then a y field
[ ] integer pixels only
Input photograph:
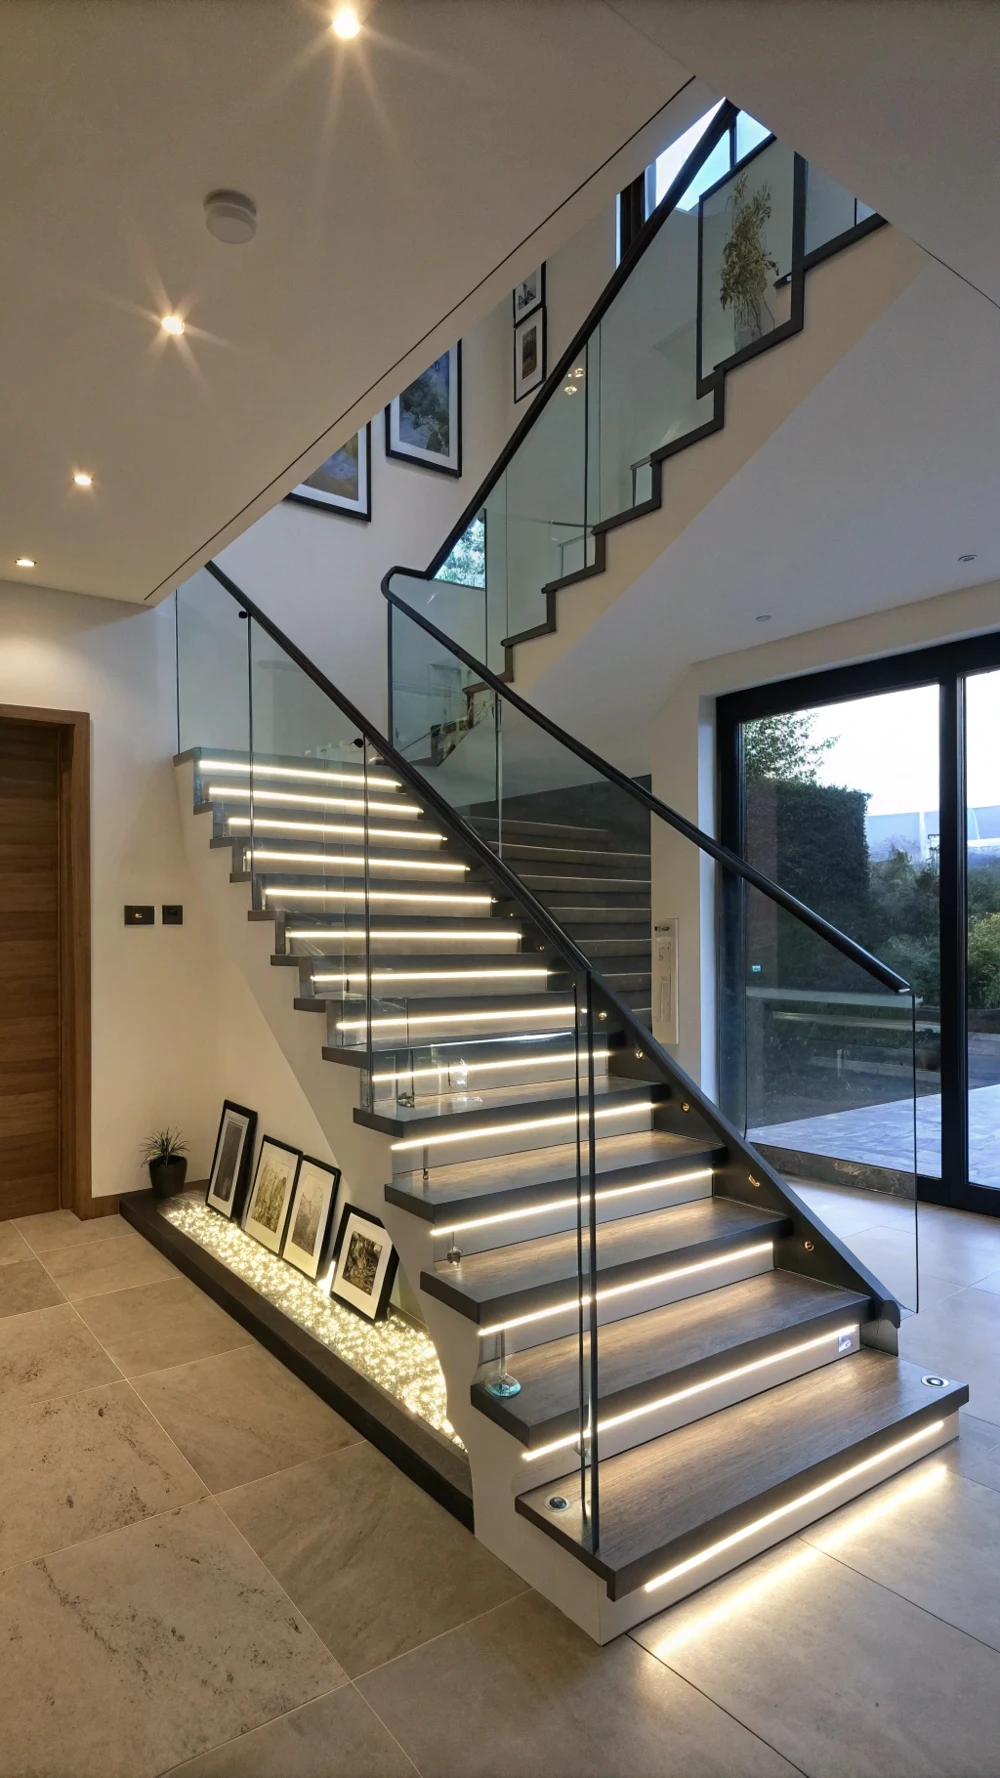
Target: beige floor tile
[
  {"x": 25, "y": 1285},
  {"x": 63, "y": 1228},
  {"x": 12, "y": 1245},
  {"x": 50, "y": 1353},
  {"x": 845, "y": 1678},
  {"x": 976, "y": 1452},
  {"x": 522, "y": 1693},
  {"x": 125, "y": 1656},
  {"x": 334, "y": 1737},
  {"x": 930, "y": 1535},
  {"x": 75, "y": 1468},
  {"x": 160, "y": 1326},
  {"x": 242, "y": 1415},
  {"x": 374, "y": 1564},
  {"x": 961, "y": 1338},
  {"x": 100, "y": 1266}
]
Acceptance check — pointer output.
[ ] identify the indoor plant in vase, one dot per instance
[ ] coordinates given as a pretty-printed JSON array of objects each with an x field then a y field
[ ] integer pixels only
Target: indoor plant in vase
[
  {"x": 164, "y": 1154},
  {"x": 747, "y": 267}
]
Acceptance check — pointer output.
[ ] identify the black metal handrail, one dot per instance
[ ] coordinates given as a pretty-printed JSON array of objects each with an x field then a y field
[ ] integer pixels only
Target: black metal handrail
[{"x": 848, "y": 947}]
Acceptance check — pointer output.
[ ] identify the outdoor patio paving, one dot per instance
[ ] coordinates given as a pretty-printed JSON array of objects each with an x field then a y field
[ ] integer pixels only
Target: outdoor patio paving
[{"x": 882, "y": 1135}]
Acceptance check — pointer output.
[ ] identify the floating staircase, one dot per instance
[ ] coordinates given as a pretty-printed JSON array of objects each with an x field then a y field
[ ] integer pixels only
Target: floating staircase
[{"x": 746, "y": 1378}]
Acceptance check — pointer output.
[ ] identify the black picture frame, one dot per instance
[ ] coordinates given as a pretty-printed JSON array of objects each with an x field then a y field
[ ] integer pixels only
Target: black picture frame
[
  {"x": 312, "y": 493},
  {"x": 272, "y": 1239},
  {"x": 533, "y": 327},
  {"x": 341, "y": 1288},
  {"x": 440, "y": 463},
  {"x": 312, "y": 1261},
  {"x": 236, "y": 1158},
  {"x": 528, "y": 305}
]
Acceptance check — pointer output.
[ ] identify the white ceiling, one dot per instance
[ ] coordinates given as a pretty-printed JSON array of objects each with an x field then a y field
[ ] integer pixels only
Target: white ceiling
[
  {"x": 393, "y": 175},
  {"x": 861, "y": 501},
  {"x": 896, "y": 99}
]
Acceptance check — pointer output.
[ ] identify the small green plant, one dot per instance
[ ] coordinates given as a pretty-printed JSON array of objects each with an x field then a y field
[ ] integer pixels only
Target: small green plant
[
  {"x": 746, "y": 264},
  {"x": 164, "y": 1145}
]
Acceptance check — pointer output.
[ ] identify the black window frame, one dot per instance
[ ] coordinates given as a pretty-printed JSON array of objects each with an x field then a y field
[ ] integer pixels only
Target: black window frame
[{"x": 947, "y": 665}]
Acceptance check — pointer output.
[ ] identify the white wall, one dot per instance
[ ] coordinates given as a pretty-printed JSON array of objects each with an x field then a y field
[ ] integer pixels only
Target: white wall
[
  {"x": 684, "y": 770},
  {"x": 318, "y": 574}
]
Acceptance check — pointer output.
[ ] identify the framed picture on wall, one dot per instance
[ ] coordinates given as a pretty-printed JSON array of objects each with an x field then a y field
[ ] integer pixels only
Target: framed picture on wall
[
  {"x": 529, "y": 355},
  {"x": 366, "y": 1264},
  {"x": 344, "y": 482},
  {"x": 270, "y": 1200},
  {"x": 309, "y": 1235},
  {"x": 227, "y": 1181},
  {"x": 424, "y": 424},
  {"x": 530, "y": 295}
]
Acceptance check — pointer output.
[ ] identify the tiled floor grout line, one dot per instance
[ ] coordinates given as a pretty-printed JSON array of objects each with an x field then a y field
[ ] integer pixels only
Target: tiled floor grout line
[
  {"x": 702, "y": 1693},
  {"x": 440, "y": 1635},
  {"x": 370, "y": 1706},
  {"x": 936, "y": 1615}
]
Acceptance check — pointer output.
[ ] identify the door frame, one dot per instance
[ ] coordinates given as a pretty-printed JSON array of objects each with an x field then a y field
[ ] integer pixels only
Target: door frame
[
  {"x": 946, "y": 665},
  {"x": 75, "y": 1180}
]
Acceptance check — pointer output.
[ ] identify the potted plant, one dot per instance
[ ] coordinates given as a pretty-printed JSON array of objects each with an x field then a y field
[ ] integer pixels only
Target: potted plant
[
  {"x": 164, "y": 1154},
  {"x": 747, "y": 267}
]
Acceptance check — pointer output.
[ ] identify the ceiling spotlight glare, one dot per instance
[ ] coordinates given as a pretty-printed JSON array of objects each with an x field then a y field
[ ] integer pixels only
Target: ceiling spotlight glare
[
  {"x": 25, "y": 561},
  {"x": 345, "y": 22},
  {"x": 173, "y": 325},
  {"x": 83, "y": 478}
]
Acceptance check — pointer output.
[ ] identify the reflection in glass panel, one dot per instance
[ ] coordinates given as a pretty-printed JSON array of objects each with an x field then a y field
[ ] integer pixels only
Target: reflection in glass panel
[
  {"x": 982, "y": 717},
  {"x": 841, "y": 809},
  {"x": 746, "y": 252}
]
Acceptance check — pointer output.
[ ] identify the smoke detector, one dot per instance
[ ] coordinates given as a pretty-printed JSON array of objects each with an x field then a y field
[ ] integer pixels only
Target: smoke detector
[{"x": 231, "y": 217}]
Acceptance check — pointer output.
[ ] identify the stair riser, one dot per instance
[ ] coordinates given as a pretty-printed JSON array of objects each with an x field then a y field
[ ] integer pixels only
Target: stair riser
[
  {"x": 476, "y": 1147},
  {"x": 447, "y": 1081},
  {"x": 438, "y": 944},
  {"x": 632, "y": 1302},
  {"x": 280, "y": 831},
  {"x": 615, "y": 1439},
  {"x": 388, "y": 995},
  {"x": 308, "y": 805},
  {"x": 414, "y": 868},
  {"x": 554, "y": 1222}
]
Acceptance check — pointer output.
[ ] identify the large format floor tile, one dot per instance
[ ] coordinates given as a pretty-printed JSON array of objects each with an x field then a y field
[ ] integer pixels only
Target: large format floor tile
[
  {"x": 242, "y": 1415},
  {"x": 49, "y": 1353},
  {"x": 26, "y": 1285},
  {"x": 374, "y": 1564},
  {"x": 976, "y": 1452},
  {"x": 63, "y": 1228},
  {"x": 74, "y": 1468},
  {"x": 961, "y": 1337},
  {"x": 335, "y": 1737},
  {"x": 100, "y": 1266},
  {"x": 932, "y": 1536},
  {"x": 844, "y": 1677},
  {"x": 522, "y": 1693},
  {"x": 12, "y": 1246},
  {"x": 127, "y": 1655},
  {"x": 160, "y": 1326}
]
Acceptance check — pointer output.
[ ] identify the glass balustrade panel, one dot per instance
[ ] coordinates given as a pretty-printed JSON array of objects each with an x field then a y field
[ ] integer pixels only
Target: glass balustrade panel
[
  {"x": 213, "y": 686},
  {"x": 746, "y": 254}
]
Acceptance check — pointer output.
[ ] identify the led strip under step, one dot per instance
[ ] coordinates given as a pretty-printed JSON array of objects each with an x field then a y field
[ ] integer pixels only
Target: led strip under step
[
  {"x": 420, "y": 895},
  {"x": 408, "y": 934},
  {"x": 329, "y": 776},
  {"x": 667, "y": 1401},
  {"x": 244, "y": 793},
  {"x": 323, "y": 829},
  {"x": 470, "y": 1068},
  {"x": 536, "y": 1123},
  {"x": 462, "y": 1018},
  {"x": 395, "y": 977},
  {"x": 617, "y": 1290},
  {"x": 600, "y": 1197},
  {"x": 439, "y": 865}
]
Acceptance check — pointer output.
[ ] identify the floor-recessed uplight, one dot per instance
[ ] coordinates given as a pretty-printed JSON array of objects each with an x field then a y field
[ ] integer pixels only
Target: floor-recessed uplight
[
  {"x": 83, "y": 479},
  {"x": 173, "y": 325},
  {"x": 25, "y": 561},
  {"x": 345, "y": 22}
]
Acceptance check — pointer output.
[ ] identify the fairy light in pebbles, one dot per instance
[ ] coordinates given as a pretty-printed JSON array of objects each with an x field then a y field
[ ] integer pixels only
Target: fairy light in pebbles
[{"x": 398, "y": 1357}]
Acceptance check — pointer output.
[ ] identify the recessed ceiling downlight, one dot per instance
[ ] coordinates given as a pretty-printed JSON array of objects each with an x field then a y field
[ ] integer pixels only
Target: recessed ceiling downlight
[
  {"x": 82, "y": 478},
  {"x": 231, "y": 217},
  {"x": 173, "y": 325},
  {"x": 345, "y": 22},
  {"x": 26, "y": 561}
]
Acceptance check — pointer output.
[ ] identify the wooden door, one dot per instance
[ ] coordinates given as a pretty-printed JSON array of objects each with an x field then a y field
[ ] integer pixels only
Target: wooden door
[{"x": 30, "y": 1111}]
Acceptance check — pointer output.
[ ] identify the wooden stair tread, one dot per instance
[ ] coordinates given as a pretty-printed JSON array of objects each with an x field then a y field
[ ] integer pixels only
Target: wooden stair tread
[
  {"x": 512, "y": 1104},
  {"x": 464, "y": 1186},
  {"x": 504, "y": 1278},
  {"x": 662, "y": 1501},
  {"x": 667, "y": 1347}
]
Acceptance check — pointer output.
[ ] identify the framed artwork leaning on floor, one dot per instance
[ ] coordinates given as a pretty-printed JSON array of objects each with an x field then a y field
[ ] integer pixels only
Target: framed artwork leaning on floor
[
  {"x": 227, "y": 1182},
  {"x": 270, "y": 1200},
  {"x": 366, "y": 1264},
  {"x": 309, "y": 1236}
]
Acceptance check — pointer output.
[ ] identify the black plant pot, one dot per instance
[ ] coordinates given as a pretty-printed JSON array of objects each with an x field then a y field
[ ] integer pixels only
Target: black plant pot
[{"x": 167, "y": 1177}]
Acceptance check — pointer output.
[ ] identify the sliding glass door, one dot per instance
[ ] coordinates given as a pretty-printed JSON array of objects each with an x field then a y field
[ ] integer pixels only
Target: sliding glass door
[{"x": 873, "y": 794}]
